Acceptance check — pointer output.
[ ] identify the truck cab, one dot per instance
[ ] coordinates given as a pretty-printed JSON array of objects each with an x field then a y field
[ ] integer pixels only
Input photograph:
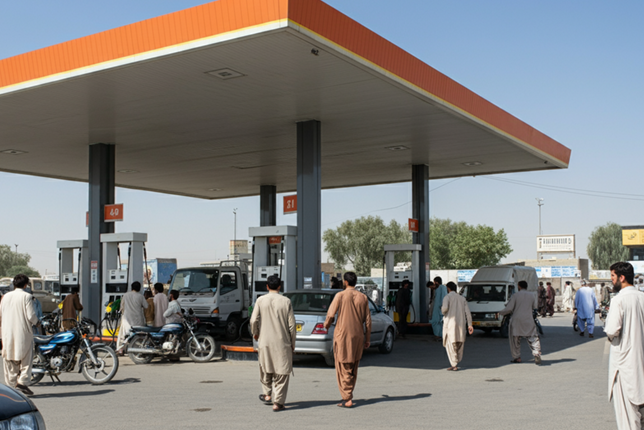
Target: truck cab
[
  {"x": 489, "y": 292},
  {"x": 217, "y": 293}
]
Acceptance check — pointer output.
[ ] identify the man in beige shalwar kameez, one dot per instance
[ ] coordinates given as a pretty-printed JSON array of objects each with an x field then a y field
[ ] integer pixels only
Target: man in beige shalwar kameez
[
  {"x": 18, "y": 317},
  {"x": 521, "y": 306},
  {"x": 625, "y": 331},
  {"x": 273, "y": 327},
  {"x": 457, "y": 319},
  {"x": 351, "y": 336}
]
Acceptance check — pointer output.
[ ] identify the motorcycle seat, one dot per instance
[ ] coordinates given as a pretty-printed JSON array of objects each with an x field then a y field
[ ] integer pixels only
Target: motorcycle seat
[
  {"x": 146, "y": 329},
  {"x": 41, "y": 340}
]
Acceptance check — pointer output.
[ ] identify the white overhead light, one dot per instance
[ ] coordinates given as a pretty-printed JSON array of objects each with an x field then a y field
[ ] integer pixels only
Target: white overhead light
[
  {"x": 396, "y": 148},
  {"x": 225, "y": 73},
  {"x": 13, "y": 152},
  {"x": 472, "y": 163},
  {"x": 128, "y": 171}
]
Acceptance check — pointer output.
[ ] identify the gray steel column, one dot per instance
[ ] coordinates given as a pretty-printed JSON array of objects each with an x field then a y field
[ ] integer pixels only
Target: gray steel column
[
  {"x": 420, "y": 208},
  {"x": 101, "y": 193},
  {"x": 267, "y": 207},
  {"x": 309, "y": 203}
]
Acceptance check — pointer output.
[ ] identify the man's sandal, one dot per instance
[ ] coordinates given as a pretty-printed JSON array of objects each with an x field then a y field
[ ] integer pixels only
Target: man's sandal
[
  {"x": 268, "y": 401},
  {"x": 277, "y": 407},
  {"x": 516, "y": 360}
]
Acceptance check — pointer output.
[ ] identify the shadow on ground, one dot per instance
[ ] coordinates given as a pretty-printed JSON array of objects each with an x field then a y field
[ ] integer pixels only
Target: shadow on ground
[
  {"x": 72, "y": 394},
  {"x": 358, "y": 402}
]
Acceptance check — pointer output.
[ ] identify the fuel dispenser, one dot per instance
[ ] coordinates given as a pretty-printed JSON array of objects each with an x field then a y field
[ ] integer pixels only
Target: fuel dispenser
[
  {"x": 70, "y": 274},
  {"x": 116, "y": 278},
  {"x": 274, "y": 253},
  {"x": 395, "y": 278}
]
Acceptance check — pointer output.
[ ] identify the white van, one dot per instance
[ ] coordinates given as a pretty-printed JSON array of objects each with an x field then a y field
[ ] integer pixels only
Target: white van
[
  {"x": 491, "y": 289},
  {"x": 217, "y": 293}
]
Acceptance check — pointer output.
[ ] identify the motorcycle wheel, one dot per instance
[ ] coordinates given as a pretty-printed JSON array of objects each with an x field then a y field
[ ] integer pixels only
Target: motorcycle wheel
[
  {"x": 39, "y": 362},
  {"x": 207, "y": 342},
  {"x": 104, "y": 371},
  {"x": 141, "y": 341}
]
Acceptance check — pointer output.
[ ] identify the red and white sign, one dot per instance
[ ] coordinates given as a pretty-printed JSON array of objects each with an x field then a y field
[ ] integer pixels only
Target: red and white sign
[
  {"x": 413, "y": 225},
  {"x": 290, "y": 204},
  {"x": 94, "y": 265},
  {"x": 113, "y": 213},
  {"x": 275, "y": 240}
]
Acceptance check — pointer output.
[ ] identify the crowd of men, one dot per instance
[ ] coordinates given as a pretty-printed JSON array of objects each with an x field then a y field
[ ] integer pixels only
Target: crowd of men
[{"x": 273, "y": 326}]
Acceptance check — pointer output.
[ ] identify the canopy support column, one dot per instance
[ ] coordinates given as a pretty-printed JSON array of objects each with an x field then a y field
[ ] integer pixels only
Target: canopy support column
[
  {"x": 420, "y": 208},
  {"x": 267, "y": 207},
  {"x": 101, "y": 193},
  {"x": 309, "y": 204}
]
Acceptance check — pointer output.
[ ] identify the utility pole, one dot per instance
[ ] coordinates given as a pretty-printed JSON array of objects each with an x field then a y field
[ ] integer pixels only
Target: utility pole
[{"x": 540, "y": 203}]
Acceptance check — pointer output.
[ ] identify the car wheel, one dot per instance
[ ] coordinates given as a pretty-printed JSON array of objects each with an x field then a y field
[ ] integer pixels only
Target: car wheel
[
  {"x": 387, "y": 343},
  {"x": 487, "y": 330},
  {"x": 329, "y": 360}
]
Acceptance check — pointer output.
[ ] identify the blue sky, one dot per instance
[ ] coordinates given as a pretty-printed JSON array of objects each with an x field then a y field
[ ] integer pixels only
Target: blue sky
[{"x": 570, "y": 69}]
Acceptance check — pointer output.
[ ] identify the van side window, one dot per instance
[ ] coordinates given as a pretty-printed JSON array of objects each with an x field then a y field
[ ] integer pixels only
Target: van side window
[{"x": 228, "y": 282}]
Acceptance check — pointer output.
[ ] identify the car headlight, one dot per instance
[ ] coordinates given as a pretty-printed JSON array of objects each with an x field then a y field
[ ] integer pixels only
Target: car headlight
[
  {"x": 491, "y": 316},
  {"x": 29, "y": 421}
]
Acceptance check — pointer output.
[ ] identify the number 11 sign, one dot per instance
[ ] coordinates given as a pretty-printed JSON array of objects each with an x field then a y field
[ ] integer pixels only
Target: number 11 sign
[{"x": 113, "y": 213}]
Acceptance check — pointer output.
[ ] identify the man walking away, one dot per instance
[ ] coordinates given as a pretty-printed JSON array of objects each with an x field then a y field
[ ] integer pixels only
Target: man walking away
[
  {"x": 585, "y": 306},
  {"x": 71, "y": 304},
  {"x": 625, "y": 331},
  {"x": 403, "y": 300},
  {"x": 132, "y": 306},
  {"x": 457, "y": 320},
  {"x": 440, "y": 291},
  {"x": 550, "y": 299},
  {"x": 521, "y": 306},
  {"x": 160, "y": 305},
  {"x": 542, "y": 296},
  {"x": 273, "y": 327},
  {"x": 18, "y": 316},
  {"x": 351, "y": 336}
]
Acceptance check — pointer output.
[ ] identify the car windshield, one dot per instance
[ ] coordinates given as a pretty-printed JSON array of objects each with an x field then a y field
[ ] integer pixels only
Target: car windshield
[
  {"x": 310, "y": 302},
  {"x": 195, "y": 281},
  {"x": 486, "y": 293}
]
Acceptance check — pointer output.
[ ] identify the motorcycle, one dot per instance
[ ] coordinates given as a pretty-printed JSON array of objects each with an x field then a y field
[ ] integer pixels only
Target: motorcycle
[
  {"x": 144, "y": 343},
  {"x": 60, "y": 352},
  {"x": 50, "y": 323}
]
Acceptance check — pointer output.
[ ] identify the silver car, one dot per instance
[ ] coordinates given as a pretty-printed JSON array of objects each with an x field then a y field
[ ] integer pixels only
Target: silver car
[{"x": 310, "y": 308}]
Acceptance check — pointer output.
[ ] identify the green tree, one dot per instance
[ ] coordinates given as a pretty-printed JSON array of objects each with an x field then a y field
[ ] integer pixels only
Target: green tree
[
  {"x": 361, "y": 243},
  {"x": 25, "y": 270},
  {"x": 605, "y": 246},
  {"x": 9, "y": 258},
  {"x": 458, "y": 245}
]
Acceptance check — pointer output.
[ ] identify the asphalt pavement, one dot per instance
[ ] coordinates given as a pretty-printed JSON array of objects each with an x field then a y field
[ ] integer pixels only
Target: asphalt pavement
[{"x": 408, "y": 388}]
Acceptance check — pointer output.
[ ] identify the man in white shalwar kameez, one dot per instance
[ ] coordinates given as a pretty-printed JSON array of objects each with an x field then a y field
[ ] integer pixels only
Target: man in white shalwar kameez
[
  {"x": 18, "y": 316},
  {"x": 625, "y": 331},
  {"x": 132, "y": 307},
  {"x": 273, "y": 327},
  {"x": 567, "y": 297},
  {"x": 457, "y": 319}
]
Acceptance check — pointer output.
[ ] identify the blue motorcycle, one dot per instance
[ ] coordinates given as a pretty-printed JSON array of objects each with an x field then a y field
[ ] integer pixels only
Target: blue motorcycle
[
  {"x": 189, "y": 336},
  {"x": 62, "y": 351}
]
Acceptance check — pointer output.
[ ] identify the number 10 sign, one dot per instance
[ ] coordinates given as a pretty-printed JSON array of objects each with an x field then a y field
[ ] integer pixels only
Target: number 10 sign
[{"x": 113, "y": 213}]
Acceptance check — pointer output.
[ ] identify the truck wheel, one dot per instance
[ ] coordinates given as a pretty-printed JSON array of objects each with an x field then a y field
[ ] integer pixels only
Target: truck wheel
[
  {"x": 232, "y": 328},
  {"x": 487, "y": 330}
]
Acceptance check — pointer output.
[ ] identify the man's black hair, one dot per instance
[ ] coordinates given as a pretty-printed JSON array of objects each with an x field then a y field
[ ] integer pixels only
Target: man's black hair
[
  {"x": 174, "y": 294},
  {"x": 351, "y": 279},
  {"x": 136, "y": 286},
  {"x": 20, "y": 281},
  {"x": 438, "y": 280},
  {"x": 75, "y": 289},
  {"x": 273, "y": 282},
  {"x": 404, "y": 282},
  {"x": 621, "y": 268},
  {"x": 523, "y": 285},
  {"x": 451, "y": 286},
  {"x": 158, "y": 287}
]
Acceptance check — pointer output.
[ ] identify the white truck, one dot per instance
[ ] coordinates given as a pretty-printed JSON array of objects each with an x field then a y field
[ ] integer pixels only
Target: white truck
[
  {"x": 217, "y": 293},
  {"x": 490, "y": 290}
]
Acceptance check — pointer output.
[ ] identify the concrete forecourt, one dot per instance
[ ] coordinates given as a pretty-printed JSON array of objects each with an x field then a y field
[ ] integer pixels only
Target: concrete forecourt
[{"x": 408, "y": 388}]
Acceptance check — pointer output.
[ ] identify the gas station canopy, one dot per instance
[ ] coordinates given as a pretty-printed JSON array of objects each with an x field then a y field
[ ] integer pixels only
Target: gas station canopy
[{"x": 203, "y": 102}]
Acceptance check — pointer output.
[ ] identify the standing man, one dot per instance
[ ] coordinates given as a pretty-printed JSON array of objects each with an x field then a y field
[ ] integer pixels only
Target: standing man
[
  {"x": 550, "y": 299},
  {"x": 521, "y": 306},
  {"x": 542, "y": 296},
  {"x": 440, "y": 291},
  {"x": 160, "y": 305},
  {"x": 351, "y": 336},
  {"x": 430, "y": 291},
  {"x": 132, "y": 306},
  {"x": 71, "y": 304},
  {"x": 149, "y": 312},
  {"x": 457, "y": 319},
  {"x": 18, "y": 316},
  {"x": 273, "y": 327},
  {"x": 403, "y": 300},
  {"x": 625, "y": 331},
  {"x": 173, "y": 313},
  {"x": 585, "y": 305},
  {"x": 567, "y": 296}
]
